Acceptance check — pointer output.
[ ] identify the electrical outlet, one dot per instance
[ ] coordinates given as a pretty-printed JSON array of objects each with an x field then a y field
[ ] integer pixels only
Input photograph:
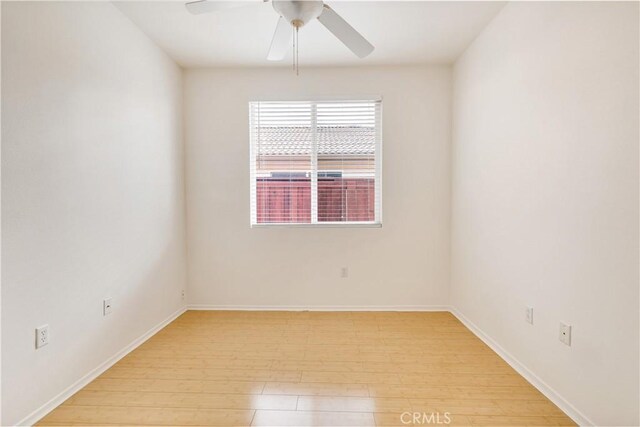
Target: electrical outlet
[
  {"x": 529, "y": 315},
  {"x": 565, "y": 334},
  {"x": 344, "y": 272},
  {"x": 106, "y": 307},
  {"x": 42, "y": 336}
]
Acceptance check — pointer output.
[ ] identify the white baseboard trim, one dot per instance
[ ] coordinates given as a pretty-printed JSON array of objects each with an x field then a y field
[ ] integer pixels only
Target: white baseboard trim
[
  {"x": 318, "y": 307},
  {"x": 538, "y": 383},
  {"x": 40, "y": 413}
]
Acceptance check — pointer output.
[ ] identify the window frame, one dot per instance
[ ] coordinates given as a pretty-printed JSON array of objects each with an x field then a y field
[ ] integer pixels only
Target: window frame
[{"x": 376, "y": 223}]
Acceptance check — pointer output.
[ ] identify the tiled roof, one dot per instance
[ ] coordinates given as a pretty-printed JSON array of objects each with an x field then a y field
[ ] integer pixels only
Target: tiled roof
[{"x": 291, "y": 141}]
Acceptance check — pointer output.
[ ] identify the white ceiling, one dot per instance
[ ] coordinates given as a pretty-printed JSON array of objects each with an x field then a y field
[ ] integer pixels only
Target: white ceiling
[{"x": 408, "y": 32}]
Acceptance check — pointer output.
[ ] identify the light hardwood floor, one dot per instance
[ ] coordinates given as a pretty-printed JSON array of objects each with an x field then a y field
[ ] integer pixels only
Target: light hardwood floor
[{"x": 310, "y": 368}]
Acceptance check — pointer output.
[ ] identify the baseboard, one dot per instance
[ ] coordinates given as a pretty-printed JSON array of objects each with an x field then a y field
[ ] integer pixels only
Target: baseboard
[
  {"x": 538, "y": 383},
  {"x": 39, "y": 413},
  {"x": 319, "y": 307}
]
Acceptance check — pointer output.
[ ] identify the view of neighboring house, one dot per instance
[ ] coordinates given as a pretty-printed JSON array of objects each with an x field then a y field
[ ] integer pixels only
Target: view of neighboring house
[{"x": 345, "y": 167}]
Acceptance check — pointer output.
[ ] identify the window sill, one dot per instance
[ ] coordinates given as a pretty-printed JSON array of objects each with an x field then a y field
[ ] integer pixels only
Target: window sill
[{"x": 321, "y": 225}]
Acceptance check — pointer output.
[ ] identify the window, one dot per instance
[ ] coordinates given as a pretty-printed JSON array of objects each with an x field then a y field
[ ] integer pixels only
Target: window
[{"x": 316, "y": 162}]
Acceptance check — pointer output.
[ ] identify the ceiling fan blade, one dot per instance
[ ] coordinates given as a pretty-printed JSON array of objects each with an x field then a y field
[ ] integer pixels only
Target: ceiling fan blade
[
  {"x": 206, "y": 6},
  {"x": 281, "y": 41},
  {"x": 345, "y": 32}
]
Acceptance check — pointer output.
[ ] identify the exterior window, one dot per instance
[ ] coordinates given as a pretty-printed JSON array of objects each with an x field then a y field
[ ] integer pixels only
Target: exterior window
[{"x": 316, "y": 162}]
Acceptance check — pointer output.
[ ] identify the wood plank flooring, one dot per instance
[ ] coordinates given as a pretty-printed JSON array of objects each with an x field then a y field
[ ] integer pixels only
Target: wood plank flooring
[{"x": 226, "y": 368}]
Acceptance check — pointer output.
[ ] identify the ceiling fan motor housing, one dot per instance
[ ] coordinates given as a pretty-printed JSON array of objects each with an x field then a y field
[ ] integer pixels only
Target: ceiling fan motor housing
[{"x": 298, "y": 12}]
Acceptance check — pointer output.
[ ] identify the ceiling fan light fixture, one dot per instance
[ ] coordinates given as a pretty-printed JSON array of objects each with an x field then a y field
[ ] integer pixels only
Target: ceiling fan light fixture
[
  {"x": 294, "y": 14},
  {"x": 299, "y": 11}
]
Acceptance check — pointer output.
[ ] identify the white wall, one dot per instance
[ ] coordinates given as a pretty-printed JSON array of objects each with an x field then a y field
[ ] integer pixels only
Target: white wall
[
  {"x": 92, "y": 193},
  {"x": 545, "y": 196},
  {"x": 0, "y": 226},
  {"x": 404, "y": 263}
]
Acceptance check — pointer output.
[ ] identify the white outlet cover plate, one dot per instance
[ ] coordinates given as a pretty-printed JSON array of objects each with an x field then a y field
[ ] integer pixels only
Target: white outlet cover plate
[
  {"x": 107, "y": 307},
  {"x": 529, "y": 315},
  {"x": 565, "y": 334},
  {"x": 42, "y": 336}
]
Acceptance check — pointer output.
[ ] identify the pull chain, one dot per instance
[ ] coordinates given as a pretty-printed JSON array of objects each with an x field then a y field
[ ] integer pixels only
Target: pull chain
[
  {"x": 297, "y": 56},
  {"x": 296, "y": 24}
]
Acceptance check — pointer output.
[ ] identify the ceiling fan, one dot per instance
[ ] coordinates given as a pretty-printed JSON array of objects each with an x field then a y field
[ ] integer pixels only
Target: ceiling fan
[{"x": 293, "y": 15}]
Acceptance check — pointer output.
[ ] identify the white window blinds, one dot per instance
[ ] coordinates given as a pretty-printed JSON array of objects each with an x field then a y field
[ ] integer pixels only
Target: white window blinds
[{"x": 316, "y": 162}]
